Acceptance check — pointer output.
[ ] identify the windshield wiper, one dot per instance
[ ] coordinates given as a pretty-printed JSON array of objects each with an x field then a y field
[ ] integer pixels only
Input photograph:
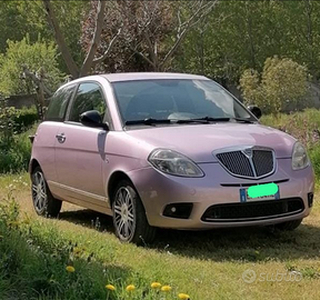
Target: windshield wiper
[
  {"x": 243, "y": 120},
  {"x": 204, "y": 120},
  {"x": 148, "y": 121}
]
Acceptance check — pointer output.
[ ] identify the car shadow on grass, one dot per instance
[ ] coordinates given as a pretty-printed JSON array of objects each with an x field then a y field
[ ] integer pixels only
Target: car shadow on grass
[
  {"x": 89, "y": 219},
  {"x": 241, "y": 244}
]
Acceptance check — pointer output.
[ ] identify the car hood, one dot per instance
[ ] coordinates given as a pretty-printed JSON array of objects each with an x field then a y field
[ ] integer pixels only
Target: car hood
[{"x": 198, "y": 141}]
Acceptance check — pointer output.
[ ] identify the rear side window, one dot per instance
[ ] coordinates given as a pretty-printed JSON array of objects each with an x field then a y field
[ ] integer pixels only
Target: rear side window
[
  {"x": 89, "y": 97},
  {"x": 59, "y": 103}
]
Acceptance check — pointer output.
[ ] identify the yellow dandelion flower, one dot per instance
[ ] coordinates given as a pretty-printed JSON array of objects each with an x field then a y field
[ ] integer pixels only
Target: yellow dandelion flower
[
  {"x": 166, "y": 288},
  {"x": 184, "y": 296},
  {"x": 110, "y": 287},
  {"x": 130, "y": 288},
  {"x": 70, "y": 269},
  {"x": 156, "y": 285}
]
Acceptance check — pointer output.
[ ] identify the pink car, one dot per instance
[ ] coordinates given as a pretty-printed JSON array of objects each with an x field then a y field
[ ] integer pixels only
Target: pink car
[{"x": 166, "y": 150}]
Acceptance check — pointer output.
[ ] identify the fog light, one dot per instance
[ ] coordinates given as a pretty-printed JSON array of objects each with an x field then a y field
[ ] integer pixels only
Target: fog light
[
  {"x": 310, "y": 199},
  {"x": 178, "y": 210}
]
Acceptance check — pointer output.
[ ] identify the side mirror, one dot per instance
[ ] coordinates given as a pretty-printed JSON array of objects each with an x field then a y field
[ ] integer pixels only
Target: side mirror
[
  {"x": 92, "y": 118},
  {"x": 256, "y": 111}
]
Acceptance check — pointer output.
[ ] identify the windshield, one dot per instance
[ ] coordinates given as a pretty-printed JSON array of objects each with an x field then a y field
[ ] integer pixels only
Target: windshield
[{"x": 174, "y": 99}]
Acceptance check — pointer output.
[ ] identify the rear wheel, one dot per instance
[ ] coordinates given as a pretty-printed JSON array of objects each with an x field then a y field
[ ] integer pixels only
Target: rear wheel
[
  {"x": 43, "y": 201},
  {"x": 129, "y": 217},
  {"x": 288, "y": 226}
]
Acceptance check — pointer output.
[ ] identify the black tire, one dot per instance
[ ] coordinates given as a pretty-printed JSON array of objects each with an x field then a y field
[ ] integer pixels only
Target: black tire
[
  {"x": 43, "y": 202},
  {"x": 129, "y": 218},
  {"x": 289, "y": 226}
]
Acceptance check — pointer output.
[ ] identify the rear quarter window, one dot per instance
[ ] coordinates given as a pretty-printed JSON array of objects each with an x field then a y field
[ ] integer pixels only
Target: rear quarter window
[{"x": 59, "y": 104}]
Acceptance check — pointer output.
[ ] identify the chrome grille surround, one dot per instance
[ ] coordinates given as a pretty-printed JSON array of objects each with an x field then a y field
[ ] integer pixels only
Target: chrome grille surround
[{"x": 251, "y": 162}]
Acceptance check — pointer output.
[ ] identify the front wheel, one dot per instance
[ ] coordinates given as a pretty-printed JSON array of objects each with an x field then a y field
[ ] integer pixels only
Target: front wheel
[
  {"x": 44, "y": 203},
  {"x": 129, "y": 217}
]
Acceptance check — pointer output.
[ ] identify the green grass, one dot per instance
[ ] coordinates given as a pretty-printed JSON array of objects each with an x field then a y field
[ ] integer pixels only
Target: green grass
[
  {"x": 205, "y": 265},
  {"x": 304, "y": 126},
  {"x": 34, "y": 252}
]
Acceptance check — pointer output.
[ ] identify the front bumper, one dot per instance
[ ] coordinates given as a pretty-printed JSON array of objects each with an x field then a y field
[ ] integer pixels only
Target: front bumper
[{"x": 217, "y": 187}]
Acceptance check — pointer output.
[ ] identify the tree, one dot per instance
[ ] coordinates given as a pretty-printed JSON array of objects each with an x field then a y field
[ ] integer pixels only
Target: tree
[
  {"x": 151, "y": 30},
  {"x": 240, "y": 35},
  {"x": 28, "y": 17},
  {"x": 283, "y": 82},
  {"x": 34, "y": 56},
  {"x": 17, "y": 19},
  {"x": 233, "y": 37},
  {"x": 28, "y": 68},
  {"x": 90, "y": 60},
  {"x": 158, "y": 19}
]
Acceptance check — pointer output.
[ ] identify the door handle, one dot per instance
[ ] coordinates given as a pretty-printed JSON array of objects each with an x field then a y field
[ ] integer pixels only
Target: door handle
[{"x": 61, "y": 138}]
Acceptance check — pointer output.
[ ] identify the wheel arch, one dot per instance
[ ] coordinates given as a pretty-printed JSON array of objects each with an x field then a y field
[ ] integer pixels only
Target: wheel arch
[
  {"x": 32, "y": 165},
  {"x": 116, "y": 177}
]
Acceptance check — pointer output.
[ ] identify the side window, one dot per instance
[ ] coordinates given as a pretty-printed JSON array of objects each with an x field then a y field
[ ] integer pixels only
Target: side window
[
  {"x": 89, "y": 97},
  {"x": 59, "y": 103}
]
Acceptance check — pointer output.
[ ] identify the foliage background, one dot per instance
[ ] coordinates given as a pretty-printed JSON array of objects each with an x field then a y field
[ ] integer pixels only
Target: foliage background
[{"x": 237, "y": 35}]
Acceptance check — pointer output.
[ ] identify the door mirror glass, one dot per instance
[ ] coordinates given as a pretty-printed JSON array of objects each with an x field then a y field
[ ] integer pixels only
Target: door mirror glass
[
  {"x": 93, "y": 119},
  {"x": 256, "y": 111}
]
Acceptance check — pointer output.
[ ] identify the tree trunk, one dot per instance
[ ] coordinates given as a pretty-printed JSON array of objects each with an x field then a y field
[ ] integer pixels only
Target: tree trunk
[
  {"x": 87, "y": 64},
  {"x": 52, "y": 20}
]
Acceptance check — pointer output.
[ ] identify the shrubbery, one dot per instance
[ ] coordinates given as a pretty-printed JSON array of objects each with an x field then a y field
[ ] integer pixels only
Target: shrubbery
[
  {"x": 25, "y": 119},
  {"x": 34, "y": 56},
  {"x": 15, "y": 146},
  {"x": 282, "y": 83},
  {"x": 15, "y": 157}
]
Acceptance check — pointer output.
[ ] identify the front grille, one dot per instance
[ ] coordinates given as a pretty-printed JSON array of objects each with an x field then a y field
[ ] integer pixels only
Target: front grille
[
  {"x": 248, "y": 163},
  {"x": 259, "y": 210},
  {"x": 237, "y": 163},
  {"x": 262, "y": 161}
]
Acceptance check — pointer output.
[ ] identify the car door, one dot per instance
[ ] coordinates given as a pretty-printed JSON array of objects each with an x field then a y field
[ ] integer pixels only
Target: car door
[
  {"x": 47, "y": 131},
  {"x": 80, "y": 150}
]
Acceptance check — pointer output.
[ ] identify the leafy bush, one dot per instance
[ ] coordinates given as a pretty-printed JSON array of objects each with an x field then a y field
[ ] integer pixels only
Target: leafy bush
[
  {"x": 282, "y": 83},
  {"x": 35, "y": 56},
  {"x": 8, "y": 115},
  {"x": 15, "y": 156},
  {"x": 15, "y": 149},
  {"x": 15, "y": 146},
  {"x": 25, "y": 119}
]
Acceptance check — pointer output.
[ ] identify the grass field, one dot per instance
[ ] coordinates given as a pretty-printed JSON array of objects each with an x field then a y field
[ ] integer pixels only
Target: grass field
[{"x": 34, "y": 253}]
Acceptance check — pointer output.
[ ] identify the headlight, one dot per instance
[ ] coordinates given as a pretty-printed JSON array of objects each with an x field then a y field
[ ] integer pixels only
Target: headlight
[
  {"x": 174, "y": 163},
  {"x": 300, "y": 158}
]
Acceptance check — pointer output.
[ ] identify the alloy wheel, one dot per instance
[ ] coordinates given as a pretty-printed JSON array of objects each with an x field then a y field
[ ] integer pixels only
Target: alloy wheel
[
  {"x": 39, "y": 191},
  {"x": 124, "y": 214}
]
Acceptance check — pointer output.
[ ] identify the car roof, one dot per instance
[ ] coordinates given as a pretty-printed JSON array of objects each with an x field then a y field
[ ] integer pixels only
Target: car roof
[
  {"x": 145, "y": 76},
  {"x": 118, "y": 77}
]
